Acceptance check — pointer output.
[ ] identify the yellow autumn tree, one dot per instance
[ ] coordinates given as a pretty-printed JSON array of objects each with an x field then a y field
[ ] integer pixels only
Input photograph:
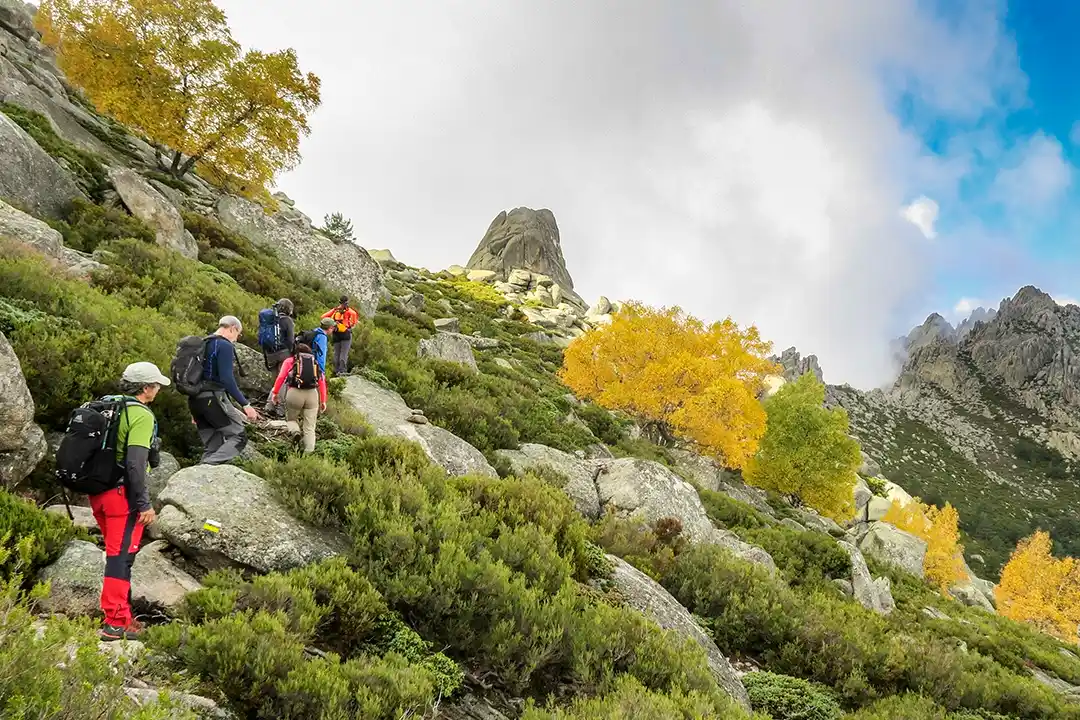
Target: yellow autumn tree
[
  {"x": 683, "y": 379},
  {"x": 806, "y": 454},
  {"x": 171, "y": 70},
  {"x": 1039, "y": 589},
  {"x": 939, "y": 527}
]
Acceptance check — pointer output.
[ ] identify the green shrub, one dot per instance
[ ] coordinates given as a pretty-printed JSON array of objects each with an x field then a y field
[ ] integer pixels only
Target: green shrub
[
  {"x": 486, "y": 568},
  {"x": 815, "y": 634},
  {"x": 916, "y": 707},
  {"x": 727, "y": 512},
  {"x": 605, "y": 426},
  {"x": 629, "y": 700},
  {"x": 258, "y": 271},
  {"x": 637, "y": 543},
  {"x": 76, "y": 347},
  {"x": 787, "y": 698},
  {"x": 86, "y": 167},
  {"x": 41, "y": 535},
  {"x": 86, "y": 226},
  {"x": 263, "y": 671},
  {"x": 803, "y": 557},
  {"x": 877, "y": 486}
]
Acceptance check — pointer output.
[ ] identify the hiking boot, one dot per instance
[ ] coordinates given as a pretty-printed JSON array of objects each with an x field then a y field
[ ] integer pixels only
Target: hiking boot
[{"x": 112, "y": 633}]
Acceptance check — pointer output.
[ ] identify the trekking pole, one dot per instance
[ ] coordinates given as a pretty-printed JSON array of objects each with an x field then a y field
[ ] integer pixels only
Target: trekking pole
[{"x": 67, "y": 505}]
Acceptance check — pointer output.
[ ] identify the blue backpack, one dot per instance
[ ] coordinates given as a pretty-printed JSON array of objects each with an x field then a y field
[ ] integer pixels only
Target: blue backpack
[{"x": 269, "y": 331}]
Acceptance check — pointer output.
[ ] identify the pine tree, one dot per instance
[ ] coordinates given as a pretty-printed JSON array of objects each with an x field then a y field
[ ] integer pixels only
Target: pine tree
[{"x": 338, "y": 228}]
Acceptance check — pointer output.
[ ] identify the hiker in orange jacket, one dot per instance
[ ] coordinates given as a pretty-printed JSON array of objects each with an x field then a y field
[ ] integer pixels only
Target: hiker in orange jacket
[{"x": 344, "y": 318}]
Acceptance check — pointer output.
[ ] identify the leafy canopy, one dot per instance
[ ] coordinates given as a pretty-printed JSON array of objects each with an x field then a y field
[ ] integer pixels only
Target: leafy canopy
[
  {"x": 1040, "y": 589},
  {"x": 806, "y": 453},
  {"x": 944, "y": 561},
  {"x": 680, "y": 376},
  {"x": 171, "y": 69}
]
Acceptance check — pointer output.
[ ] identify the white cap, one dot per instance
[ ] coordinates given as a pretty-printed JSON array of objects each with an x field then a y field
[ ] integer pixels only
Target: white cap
[{"x": 144, "y": 372}]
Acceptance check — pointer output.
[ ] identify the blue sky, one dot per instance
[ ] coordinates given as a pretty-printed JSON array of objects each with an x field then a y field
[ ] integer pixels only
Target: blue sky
[{"x": 994, "y": 235}]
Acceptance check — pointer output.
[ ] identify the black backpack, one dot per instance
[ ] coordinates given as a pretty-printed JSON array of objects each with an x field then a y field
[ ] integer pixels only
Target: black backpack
[
  {"x": 305, "y": 372},
  {"x": 86, "y": 459},
  {"x": 189, "y": 365}
]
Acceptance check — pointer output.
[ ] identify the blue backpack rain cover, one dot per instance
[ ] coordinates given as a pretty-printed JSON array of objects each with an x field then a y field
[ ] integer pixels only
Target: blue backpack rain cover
[{"x": 269, "y": 331}]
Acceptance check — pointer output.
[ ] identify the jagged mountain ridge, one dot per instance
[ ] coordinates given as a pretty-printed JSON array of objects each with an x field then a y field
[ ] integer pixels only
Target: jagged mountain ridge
[{"x": 985, "y": 416}]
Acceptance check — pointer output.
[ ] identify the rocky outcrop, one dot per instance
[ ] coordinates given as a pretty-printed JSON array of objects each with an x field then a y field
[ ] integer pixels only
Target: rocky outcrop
[
  {"x": 647, "y": 490},
  {"x": 150, "y": 206},
  {"x": 29, "y": 177},
  {"x": 389, "y": 415},
  {"x": 449, "y": 347},
  {"x": 222, "y": 516},
  {"x": 22, "y": 443},
  {"x": 580, "y": 474},
  {"x": 16, "y": 19},
  {"x": 29, "y": 232},
  {"x": 871, "y": 594},
  {"x": 523, "y": 238},
  {"x": 345, "y": 266},
  {"x": 795, "y": 366},
  {"x": 644, "y": 594},
  {"x": 894, "y": 546}
]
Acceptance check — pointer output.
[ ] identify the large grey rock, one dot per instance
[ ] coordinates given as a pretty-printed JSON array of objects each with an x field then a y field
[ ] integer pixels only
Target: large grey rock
[
  {"x": 15, "y": 17},
  {"x": 61, "y": 115},
  {"x": 345, "y": 266},
  {"x": 449, "y": 347},
  {"x": 389, "y": 415},
  {"x": 649, "y": 491},
  {"x": 81, "y": 516},
  {"x": 29, "y": 232},
  {"x": 158, "y": 478},
  {"x": 156, "y": 581},
  {"x": 29, "y": 177},
  {"x": 255, "y": 530},
  {"x": 523, "y": 238},
  {"x": 22, "y": 443},
  {"x": 580, "y": 474},
  {"x": 971, "y": 596},
  {"x": 643, "y": 593},
  {"x": 708, "y": 474},
  {"x": 876, "y": 508},
  {"x": 256, "y": 379},
  {"x": 450, "y": 325},
  {"x": 863, "y": 495},
  {"x": 75, "y": 580},
  {"x": 154, "y": 209},
  {"x": 894, "y": 546},
  {"x": 869, "y": 594},
  {"x": 869, "y": 467}
]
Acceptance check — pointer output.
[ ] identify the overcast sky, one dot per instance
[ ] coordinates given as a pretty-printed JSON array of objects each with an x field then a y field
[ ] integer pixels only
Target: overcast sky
[{"x": 768, "y": 159}]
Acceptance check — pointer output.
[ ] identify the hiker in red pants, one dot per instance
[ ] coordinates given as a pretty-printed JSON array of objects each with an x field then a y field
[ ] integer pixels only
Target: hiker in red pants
[{"x": 124, "y": 511}]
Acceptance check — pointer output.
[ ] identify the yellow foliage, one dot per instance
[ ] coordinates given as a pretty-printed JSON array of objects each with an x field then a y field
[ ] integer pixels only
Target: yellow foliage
[
  {"x": 171, "y": 70},
  {"x": 481, "y": 292},
  {"x": 680, "y": 376},
  {"x": 1040, "y": 589},
  {"x": 944, "y": 562}
]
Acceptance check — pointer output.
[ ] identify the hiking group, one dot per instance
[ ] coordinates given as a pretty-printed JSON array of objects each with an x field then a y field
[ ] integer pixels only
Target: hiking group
[{"x": 111, "y": 444}]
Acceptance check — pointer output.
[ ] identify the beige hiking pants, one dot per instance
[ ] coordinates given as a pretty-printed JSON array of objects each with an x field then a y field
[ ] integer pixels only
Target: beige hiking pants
[{"x": 303, "y": 403}]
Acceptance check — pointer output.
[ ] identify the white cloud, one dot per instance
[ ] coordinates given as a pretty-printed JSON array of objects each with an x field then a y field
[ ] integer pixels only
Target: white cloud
[
  {"x": 964, "y": 307},
  {"x": 1066, "y": 300},
  {"x": 1037, "y": 178},
  {"x": 923, "y": 214},
  {"x": 734, "y": 158}
]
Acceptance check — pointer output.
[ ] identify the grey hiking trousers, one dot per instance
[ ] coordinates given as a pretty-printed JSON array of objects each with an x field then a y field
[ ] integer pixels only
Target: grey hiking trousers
[{"x": 221, "y": 427}]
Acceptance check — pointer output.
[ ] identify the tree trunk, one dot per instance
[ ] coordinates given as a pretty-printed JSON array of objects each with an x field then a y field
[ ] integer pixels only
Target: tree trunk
[{"x": 176, "y": 164}]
